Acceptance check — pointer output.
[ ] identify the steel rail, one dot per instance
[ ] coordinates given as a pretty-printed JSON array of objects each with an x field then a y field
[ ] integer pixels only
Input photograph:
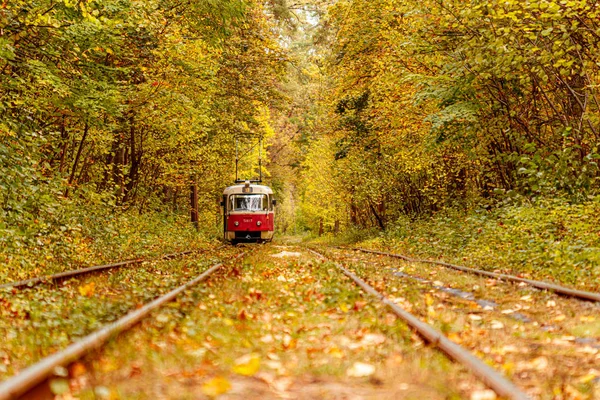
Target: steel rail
[
  {"x": 68, "y": 274},
  {"x": 581, "y": 294},
  {"x": 492, "y": 378},
  {"x": 33, "y": 375}
]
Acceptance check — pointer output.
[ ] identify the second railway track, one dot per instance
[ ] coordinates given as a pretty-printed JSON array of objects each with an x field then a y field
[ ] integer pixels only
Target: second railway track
[
  {"x": 562, "y": 290},
  {"x": 549, "y": 343}
]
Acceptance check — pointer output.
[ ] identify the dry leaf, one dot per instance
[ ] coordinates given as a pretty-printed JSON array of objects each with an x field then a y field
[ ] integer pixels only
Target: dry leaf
[
  {"x": 247, "y": 365},
  {"x": 497, "y": 325},
  {"x": 288, "y": 342},
  {"x": 358, "y": 370},
  {"x": 77, "y": 369},
  {"x": 485, "y": 394},
  {"x": 267, "y": 338},
  {"x": 372, "y": 339},
  {"x": 216, "y": 386},
  {"x": 335, "y": 352},
  {"x": 87, "y": 290}
]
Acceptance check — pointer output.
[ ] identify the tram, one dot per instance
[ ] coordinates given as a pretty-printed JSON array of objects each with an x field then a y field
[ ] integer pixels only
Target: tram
[{"x": 248, "y": 212}]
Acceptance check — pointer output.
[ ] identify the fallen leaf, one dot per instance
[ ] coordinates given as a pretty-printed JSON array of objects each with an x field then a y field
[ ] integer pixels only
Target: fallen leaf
[
  {"x": 454, "y": 337},
  {"x": 485, "y": 394},
  {"x": 497, "y": 325},
  {"x": 288, "y": 342},
  {"x": 267, "y": 338},
  {"x": 87, "y": 290},
  {"x": 358, "y": 370},
  {"x": 77, "y": 369},
  {"x": 588, "y": 377},
  {"x": 216, "y": 386},
  {"x": 539, "y": 364},
  {"x": 282, "y": 384},
  {"x": 372, "y": 339},
  {"x": 247, "y": 365},
  {"x": 335, "y": 352},
  {"x": 59, "y": 386},
  {"x": 428, "y": 299},
  {"x": 242, "y": 314}
]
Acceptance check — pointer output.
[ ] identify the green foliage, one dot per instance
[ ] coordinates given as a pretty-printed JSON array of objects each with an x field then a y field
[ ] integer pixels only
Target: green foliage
[
  {"x": 549, "y": 239},
  {"x": 120, "y": 106},
  {"x": 436, "y": 104}
]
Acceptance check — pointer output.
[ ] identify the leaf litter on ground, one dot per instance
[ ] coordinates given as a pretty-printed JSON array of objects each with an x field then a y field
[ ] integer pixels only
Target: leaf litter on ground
[{"x": 276, "y": 327}]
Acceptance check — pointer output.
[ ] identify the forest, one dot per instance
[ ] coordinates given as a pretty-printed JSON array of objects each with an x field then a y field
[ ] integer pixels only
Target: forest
[
  {"x": 435, "y": 157},
  {"x": 422, "y": 125}
]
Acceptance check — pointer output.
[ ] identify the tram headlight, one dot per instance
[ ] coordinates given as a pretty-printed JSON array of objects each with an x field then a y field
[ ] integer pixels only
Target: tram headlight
[
  {"x": 237, "y": 223},
  {"x": 258, "y": 223}
]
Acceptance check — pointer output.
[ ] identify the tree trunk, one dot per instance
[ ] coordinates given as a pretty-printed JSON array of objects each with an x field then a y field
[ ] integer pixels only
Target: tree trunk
[
  {"x": 74, "y": 169},
  {"x": 194, "y": 204}
]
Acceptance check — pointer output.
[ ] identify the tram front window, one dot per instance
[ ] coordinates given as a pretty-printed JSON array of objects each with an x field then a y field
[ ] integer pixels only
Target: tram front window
[{"x": 249, "y": 202}]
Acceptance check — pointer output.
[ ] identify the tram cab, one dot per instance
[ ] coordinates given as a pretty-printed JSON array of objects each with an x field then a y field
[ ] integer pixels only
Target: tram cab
[{"x": 248, "y": 213}]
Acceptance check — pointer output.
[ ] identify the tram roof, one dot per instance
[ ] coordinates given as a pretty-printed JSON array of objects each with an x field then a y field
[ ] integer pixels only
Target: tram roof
[{"x": 255, "y": 189}]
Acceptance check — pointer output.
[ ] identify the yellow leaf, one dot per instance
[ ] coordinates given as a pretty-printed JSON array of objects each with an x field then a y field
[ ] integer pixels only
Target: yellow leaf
[
  {"x": 428, "y": 299},
  {"x": 247, "y": 365},
  {"x": 587, "y": 378},
  {"x": 216, "y": 387},
  {"x": 87, "y": 290},
  {"x": 335, "y": 352}
]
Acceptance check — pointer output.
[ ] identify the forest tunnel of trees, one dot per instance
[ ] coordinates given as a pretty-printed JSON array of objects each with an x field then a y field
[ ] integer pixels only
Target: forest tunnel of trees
[{"x": 371, "y": 110}]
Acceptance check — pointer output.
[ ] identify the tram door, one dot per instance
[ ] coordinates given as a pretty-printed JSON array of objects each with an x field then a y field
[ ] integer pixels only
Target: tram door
[{"x": 224, "y": 204}]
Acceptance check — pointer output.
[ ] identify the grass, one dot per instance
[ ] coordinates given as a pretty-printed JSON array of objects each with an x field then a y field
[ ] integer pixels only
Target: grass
[{"x": 550, "y": 239}]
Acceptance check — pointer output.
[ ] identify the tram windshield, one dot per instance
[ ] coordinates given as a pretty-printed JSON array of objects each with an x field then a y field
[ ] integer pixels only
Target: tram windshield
[{"x": 249, "y": 202}]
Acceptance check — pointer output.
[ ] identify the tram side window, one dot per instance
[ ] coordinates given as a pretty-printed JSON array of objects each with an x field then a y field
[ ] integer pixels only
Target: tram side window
[{"x": 249, "y": 202}]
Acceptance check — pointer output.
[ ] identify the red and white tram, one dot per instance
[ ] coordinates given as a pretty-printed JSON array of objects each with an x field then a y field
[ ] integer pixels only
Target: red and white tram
[{"x": 248, "y": 213}]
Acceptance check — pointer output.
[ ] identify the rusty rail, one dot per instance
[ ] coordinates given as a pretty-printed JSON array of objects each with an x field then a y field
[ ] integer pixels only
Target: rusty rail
[
  {"x": 565, "y": 291},
  {"x": 68, "y": 274},
  {"x": 33, "y": 375},
  {"x": 492, "y": 378}
]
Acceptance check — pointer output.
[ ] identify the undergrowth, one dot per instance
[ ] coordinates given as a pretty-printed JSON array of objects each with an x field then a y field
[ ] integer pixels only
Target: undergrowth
[
  {"x": 94, "y": 236},
  {"x": 549, "y": 239}
]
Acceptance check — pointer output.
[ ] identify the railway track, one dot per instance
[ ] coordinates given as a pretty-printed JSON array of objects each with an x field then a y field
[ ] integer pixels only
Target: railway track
[
  {"x": 562, "y": 290},
  {"x": 493, "y": 379},
  {"x": 20, "y": 384},
  {"x": 315, "y": 314},
  {"x": 27, "y": 283}
]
